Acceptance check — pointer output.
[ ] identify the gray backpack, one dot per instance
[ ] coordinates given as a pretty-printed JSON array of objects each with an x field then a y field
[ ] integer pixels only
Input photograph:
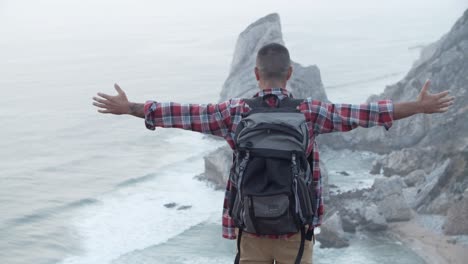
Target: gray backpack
[{"x": 271, "y": 174}]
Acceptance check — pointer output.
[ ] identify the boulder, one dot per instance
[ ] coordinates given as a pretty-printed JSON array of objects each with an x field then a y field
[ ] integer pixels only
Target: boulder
[
  {"x": 415, "y": 178},
  {"x": 349, "y": 224},
  {"x": 332, "y": 234},
  {"x": 350, "y": 206},
  {"x": 388, "y": 195},
  {"x": 374, "y": 219}
]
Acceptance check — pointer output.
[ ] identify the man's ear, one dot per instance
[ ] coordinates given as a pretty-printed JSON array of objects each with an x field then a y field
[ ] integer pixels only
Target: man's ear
[
  {"x": 288, "y": 76},
  {"x": 257, "y": 74}
]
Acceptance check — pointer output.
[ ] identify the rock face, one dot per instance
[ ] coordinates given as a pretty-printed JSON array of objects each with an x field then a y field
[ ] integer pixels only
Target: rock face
[
  {"x": 241, "y": 83},
  {"x": 431, "y": 188},
  {"x": 403, "y": 162},
  {"x": 445, "y": 63}
]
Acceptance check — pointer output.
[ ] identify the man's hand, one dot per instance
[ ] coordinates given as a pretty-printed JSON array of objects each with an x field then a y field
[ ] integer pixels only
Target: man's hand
[
  {"x": 434, "y": 103},
  {"x": 118, "y": 104},
  {"x": 425, "y": 103}
]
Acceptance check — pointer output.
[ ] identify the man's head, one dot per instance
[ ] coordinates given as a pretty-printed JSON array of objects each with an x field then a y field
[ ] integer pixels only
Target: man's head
[{"x": 273, "y": 68}]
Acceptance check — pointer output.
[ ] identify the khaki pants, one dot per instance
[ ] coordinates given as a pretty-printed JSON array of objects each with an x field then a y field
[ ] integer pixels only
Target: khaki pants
[{"x": 257, "y": 250}]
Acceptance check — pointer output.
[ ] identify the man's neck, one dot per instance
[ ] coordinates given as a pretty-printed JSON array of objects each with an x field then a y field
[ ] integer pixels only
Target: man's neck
[{"x": 270, "y": 85}]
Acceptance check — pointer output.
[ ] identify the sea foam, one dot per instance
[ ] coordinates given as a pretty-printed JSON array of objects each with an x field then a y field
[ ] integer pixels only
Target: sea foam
[{"x": 133, "y": 216}]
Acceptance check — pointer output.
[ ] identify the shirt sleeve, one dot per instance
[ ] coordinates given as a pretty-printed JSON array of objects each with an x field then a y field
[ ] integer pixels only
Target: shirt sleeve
[
  {"x": 213, "y": 119},
  {"x": 328, "y": 117},
  {"x": 229, "y": 227}
]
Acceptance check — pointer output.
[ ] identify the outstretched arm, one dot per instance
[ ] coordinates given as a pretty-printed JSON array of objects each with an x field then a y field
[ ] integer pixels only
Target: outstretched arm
[
  {"x": 425, "y": 103},
  {"x": 327, "y": 117},
  {"x": 214, "y": 119}
]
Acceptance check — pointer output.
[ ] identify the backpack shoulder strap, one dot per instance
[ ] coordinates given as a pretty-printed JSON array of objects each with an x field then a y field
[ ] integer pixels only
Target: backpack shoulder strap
[
  {"x": 255, "y": 102},
  {"x": 289, "y": 102},
  {"x": 301, "y": 247}
]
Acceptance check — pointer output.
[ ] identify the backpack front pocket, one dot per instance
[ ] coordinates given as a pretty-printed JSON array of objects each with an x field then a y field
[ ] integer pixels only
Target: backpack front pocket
[{"x": 271, "y": 214}]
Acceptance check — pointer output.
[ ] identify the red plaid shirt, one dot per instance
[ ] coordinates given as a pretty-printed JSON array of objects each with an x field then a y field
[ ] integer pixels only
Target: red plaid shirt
[{"x": 222, "y": 119}]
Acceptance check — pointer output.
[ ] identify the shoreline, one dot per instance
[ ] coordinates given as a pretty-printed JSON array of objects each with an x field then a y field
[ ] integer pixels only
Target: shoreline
[{"x": 432, "y": 247}]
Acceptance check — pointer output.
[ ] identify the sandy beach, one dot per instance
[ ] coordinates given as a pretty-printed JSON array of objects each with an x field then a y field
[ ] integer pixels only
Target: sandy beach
[{"x": 434, "y": 248}]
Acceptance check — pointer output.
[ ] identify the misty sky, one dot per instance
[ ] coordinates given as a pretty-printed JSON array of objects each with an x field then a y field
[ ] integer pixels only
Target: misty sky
[
  {"x": 36, "y": 19},
  {"x": 38, "y": 33}
]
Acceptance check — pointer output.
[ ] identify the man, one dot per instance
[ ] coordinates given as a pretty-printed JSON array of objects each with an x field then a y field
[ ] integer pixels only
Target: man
[{"x": 273, "y": 70}]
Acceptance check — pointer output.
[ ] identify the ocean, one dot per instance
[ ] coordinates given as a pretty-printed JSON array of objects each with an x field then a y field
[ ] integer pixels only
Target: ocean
[{"x": 79, "y": 187}]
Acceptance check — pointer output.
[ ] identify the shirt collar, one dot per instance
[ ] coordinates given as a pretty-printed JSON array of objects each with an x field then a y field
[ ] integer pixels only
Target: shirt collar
[{"x": 280, "y": 92}]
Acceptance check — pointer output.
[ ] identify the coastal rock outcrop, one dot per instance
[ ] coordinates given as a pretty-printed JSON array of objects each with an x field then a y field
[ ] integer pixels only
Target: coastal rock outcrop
[{"x": 241, "y": 83}]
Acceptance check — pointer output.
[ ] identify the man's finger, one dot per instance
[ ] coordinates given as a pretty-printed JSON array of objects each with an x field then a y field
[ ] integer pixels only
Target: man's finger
[
  {"x": 447, "y": 104},
  {"x": 446, "y": 99},
  {"x": 442, "y": 94},
  {"x": 99, "y": 100},
  {"x": 442, "y": 110},
  {"x": 106, "y": 96},
  {"x": 104, "y": 111},
  {"x": 100, "y": 105},
  {"x": 425, "y": 87},
  {"x": 118, "y": 89}
]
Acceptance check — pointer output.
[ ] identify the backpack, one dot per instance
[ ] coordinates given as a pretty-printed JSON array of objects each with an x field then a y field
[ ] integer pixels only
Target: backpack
[{"x": 271, "y": 174}]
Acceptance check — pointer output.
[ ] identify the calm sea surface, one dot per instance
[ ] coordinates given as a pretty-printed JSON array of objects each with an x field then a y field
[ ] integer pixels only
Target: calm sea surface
[{"x": 80, "y": 187}]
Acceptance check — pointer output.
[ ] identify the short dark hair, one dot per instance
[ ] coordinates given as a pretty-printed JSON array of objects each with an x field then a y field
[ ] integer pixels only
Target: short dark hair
[{"x": 273, "y": 62}]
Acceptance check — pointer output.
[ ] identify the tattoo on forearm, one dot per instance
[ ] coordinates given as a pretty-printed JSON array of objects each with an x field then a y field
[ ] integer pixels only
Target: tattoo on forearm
[{"x": 137, "y": 110}]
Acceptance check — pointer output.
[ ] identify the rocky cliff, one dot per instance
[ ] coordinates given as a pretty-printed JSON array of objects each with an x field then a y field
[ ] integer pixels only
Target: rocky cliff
[
  {"x": 428, "y": 152},
  {"x": 241, "y": 82}
]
